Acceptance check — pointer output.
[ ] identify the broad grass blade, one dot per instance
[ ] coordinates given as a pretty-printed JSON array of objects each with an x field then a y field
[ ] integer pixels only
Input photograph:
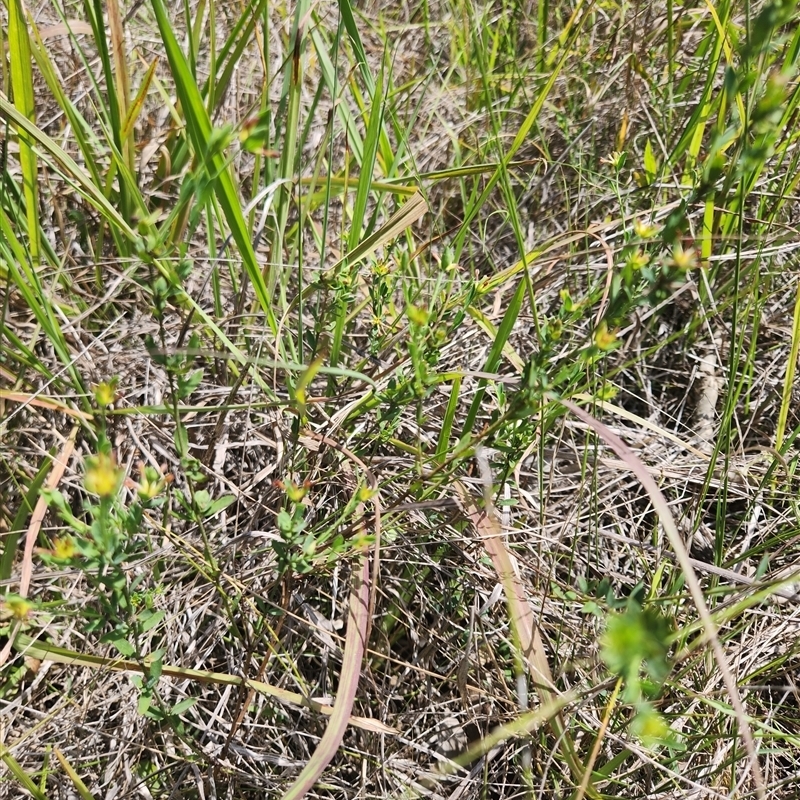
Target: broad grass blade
[
  {"x": 405, "y": 216},
  {"x": 22, "y": 83},
  {"x": 198, "y": 127}
]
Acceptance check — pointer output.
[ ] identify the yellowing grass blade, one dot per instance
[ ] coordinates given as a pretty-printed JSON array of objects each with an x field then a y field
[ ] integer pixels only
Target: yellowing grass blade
[
  {"x": 77, "y": 782},
  {"x": 122, "y": 80},
  {"x": 136, "y": 106},
  {"x": 405, "y": 216},
  {"x": 49, "y": 652}
]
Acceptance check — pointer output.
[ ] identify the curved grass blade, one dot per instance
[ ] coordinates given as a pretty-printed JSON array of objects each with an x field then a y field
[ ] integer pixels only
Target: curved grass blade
[
  {"x": 217, "y": 83},
  {"x": 85, "y": 186},
  {"x": 523, "y": 623},
  {"x": 670, "y": 528},
  {"x": 343, "y": 111},
  {"x": 346, "y": 11},
  {"x": 290, "y": 101},
  {"x": 355, "y": 644},
  {"x": 26, "y": 279},
  {"x": 367, "y": 166}
]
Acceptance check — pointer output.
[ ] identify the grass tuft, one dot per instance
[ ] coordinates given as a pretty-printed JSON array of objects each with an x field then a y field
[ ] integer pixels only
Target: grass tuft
[{"x": 399, "y": 401}]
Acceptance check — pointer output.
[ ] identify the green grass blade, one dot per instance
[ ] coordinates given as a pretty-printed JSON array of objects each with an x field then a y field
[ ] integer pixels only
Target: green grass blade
[
  {"x": 354, "y": 140},
  {"x": 788, "y": 383},
  {"x": 522, "y": 133},
  {"x": 290, "y": 100},
  {"x": 367, "y": 166},
  {"x": 19, "y": 773},
  {"x": 495, "y": 353},
  {"x": 26, "y": 279},
  {"x": 79, "y": 125},
  {"x": 198, "y": 127},
  {"x": 22, "y": 84},
  {"x": 346, "y": 10},
  {"x": 443, "y": 443}
]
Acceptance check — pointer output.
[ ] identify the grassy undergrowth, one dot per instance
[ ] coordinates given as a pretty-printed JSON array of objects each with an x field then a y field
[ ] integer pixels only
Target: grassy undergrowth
[{"x": 399, "y": 402}]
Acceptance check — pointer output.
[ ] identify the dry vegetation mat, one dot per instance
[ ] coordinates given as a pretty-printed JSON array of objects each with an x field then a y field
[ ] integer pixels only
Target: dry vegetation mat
[{"x": 399, "y": 400}]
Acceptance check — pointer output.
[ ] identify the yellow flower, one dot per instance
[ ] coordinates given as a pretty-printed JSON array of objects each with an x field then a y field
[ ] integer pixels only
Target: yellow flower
[
  {"x": 615, "y": 160},
  {"x": 604, "y": 338},
  {"x": 295, "y": 493},
  {"x": 102, "y": 475},
  {"x": 638, "y": 259},
  {"x": 607, "y": 391},
  {"x": 64, "y": 548},
  {"x": 105, "y": 392},
  {"x": 365, "y": 493},
  {"x": 644, "y": 230},
  {"x": 15, "y": 607},
  {"x": 683, "y": 259}
]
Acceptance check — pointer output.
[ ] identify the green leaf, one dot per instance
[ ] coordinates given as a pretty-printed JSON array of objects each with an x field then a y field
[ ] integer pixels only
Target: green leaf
[
  {"x": 149, "y": 620},
  {"x": 155, "y": 666},
  {"x": 367, "y": 166},
  {"x": 202, "y": 500},
  {"x": 183, "y": 705},
  {"x": 220, "y": 504},
  {"x": 124, "y": 647},
  {"x": 650, "y": 164},
  {"x": 143, "y": 706},
  {"x": 634, "y": 638},
  {"x": 189, "y": 383}
]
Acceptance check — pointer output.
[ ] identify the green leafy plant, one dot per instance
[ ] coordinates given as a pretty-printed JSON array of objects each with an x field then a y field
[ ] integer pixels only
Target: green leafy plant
[
  {"x": 635, "y": 646},
  {"x": 296, "y": 550},
  {"x": 108, "y": 534}
]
